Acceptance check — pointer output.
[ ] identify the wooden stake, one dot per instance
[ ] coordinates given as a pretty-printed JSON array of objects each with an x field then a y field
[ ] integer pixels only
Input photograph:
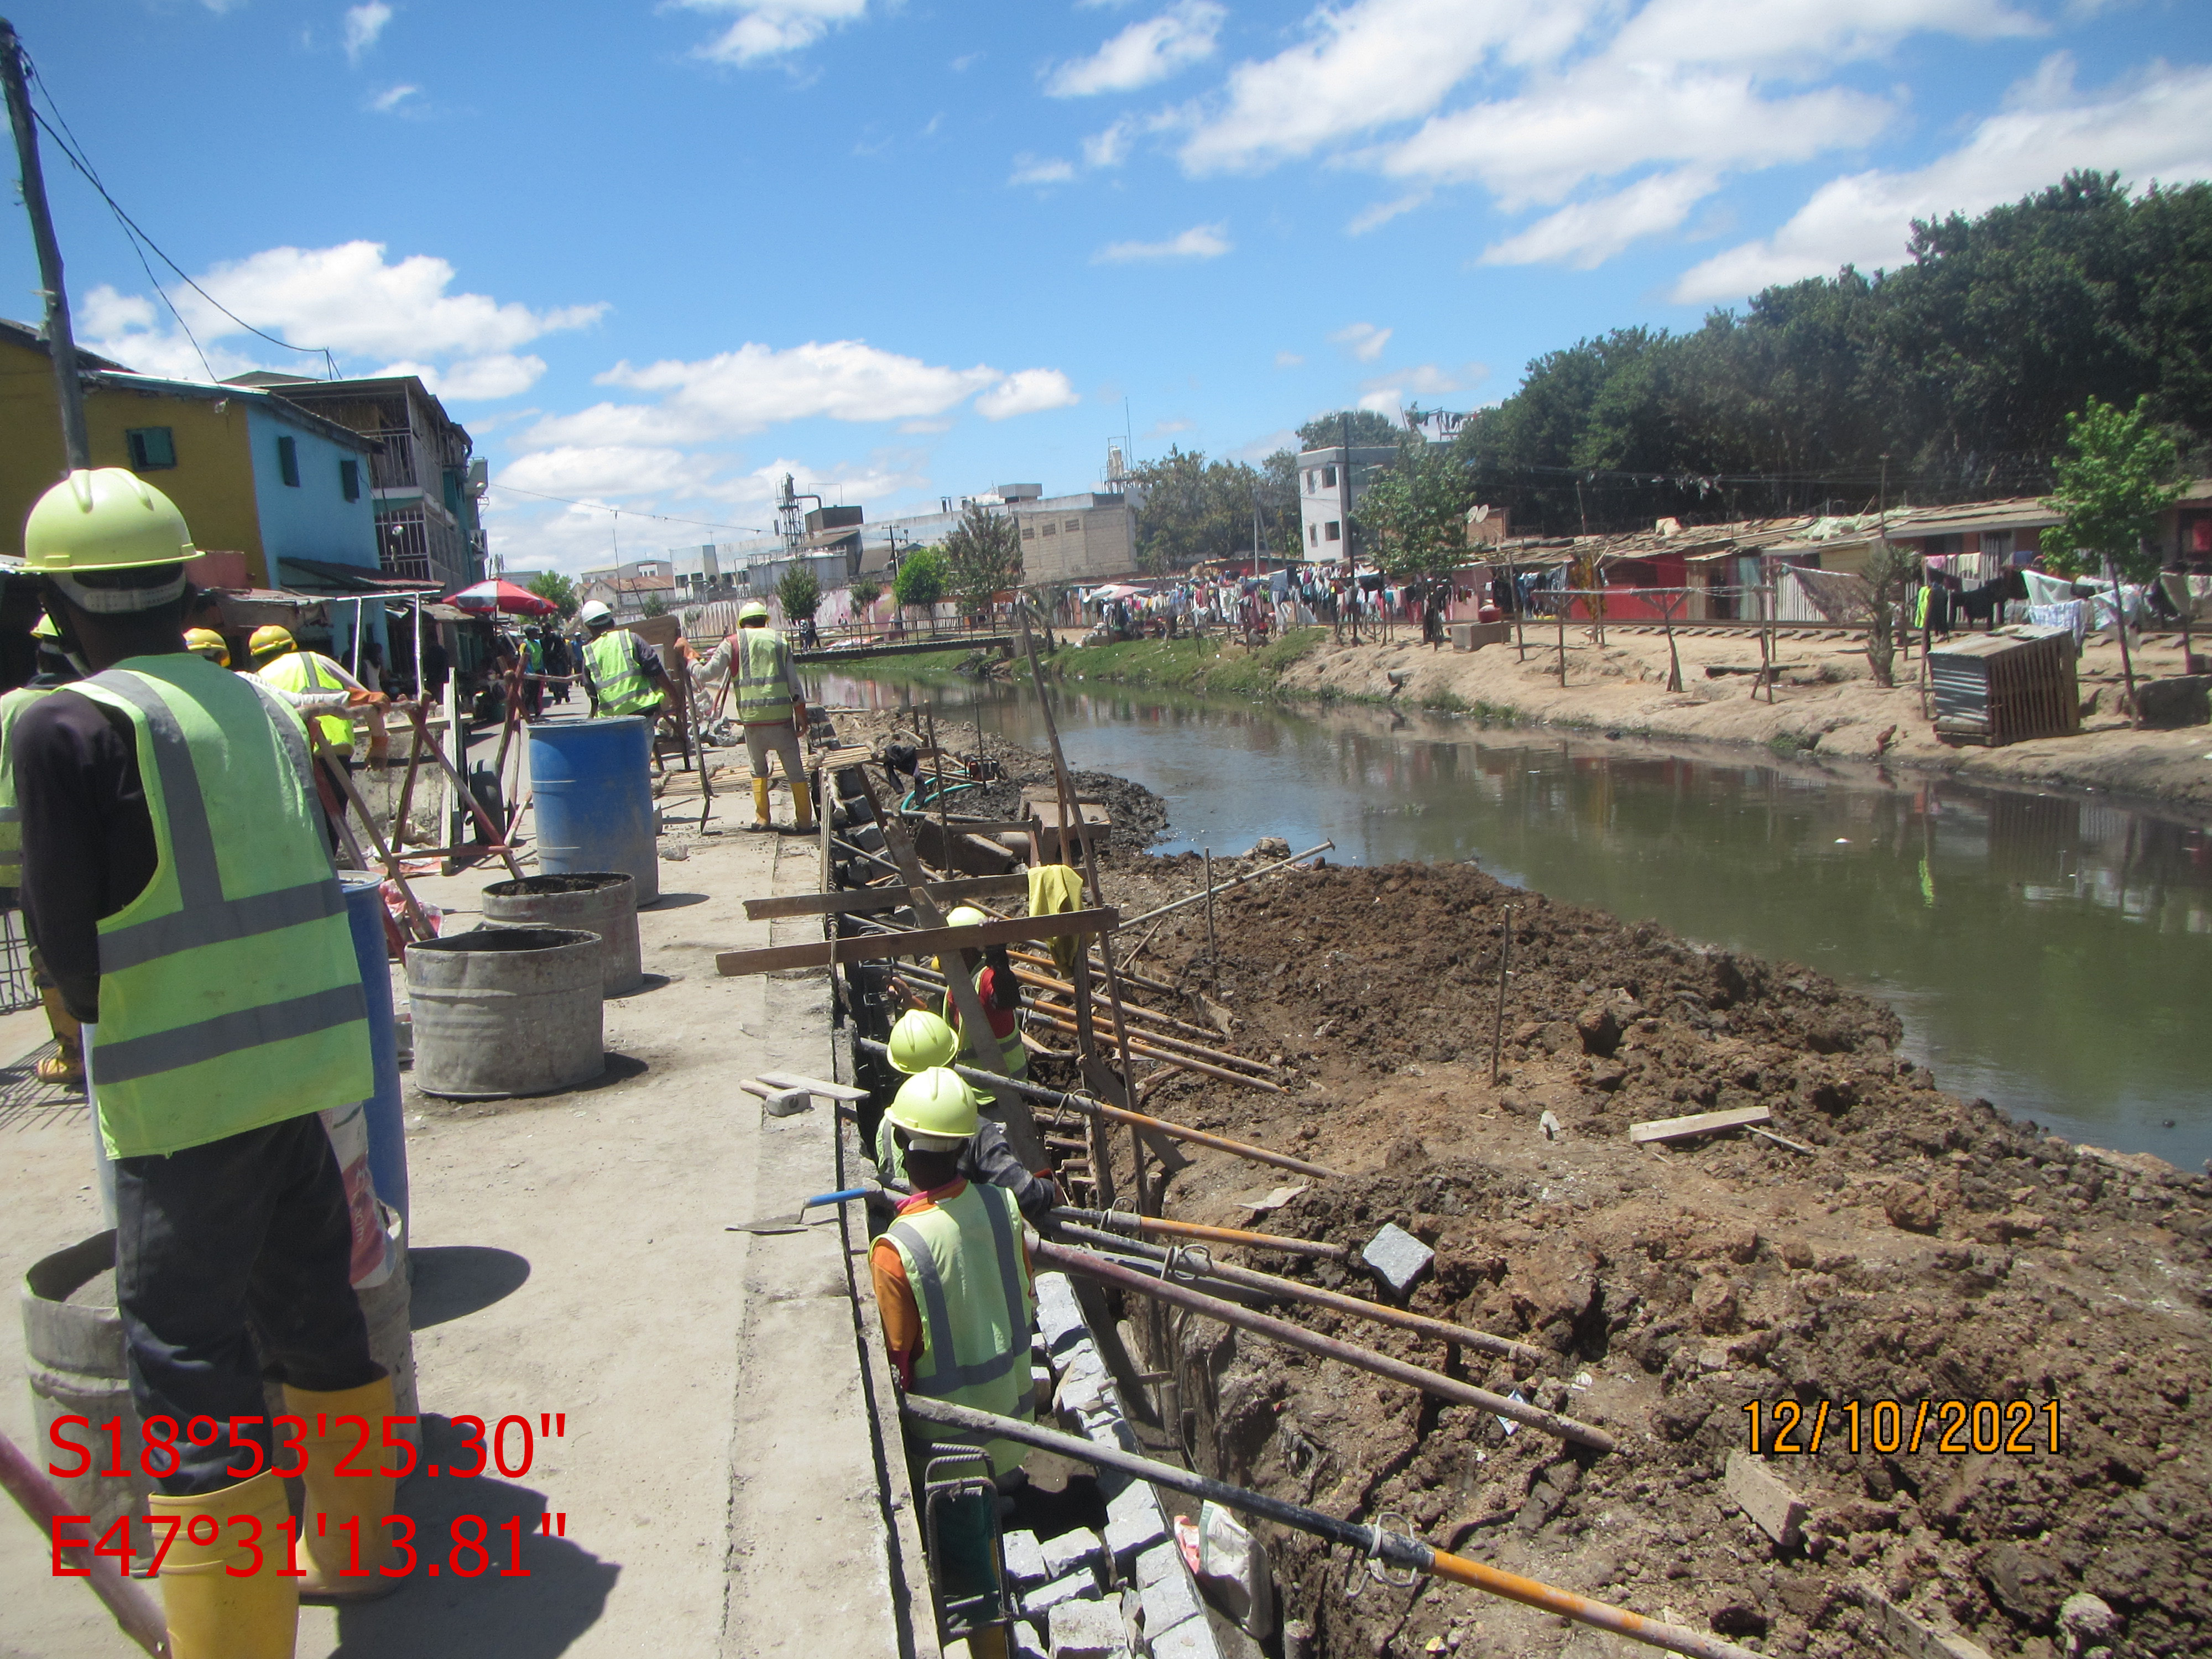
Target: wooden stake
[
  {"x": 336, "y": 770},
  {"x": 1504, "y": 959},
  {"x": 1213, "y": 949}
]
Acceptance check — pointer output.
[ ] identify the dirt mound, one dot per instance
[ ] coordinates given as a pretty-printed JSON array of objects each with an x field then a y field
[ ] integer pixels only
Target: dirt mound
[{"x": 1919, "y": 1247}]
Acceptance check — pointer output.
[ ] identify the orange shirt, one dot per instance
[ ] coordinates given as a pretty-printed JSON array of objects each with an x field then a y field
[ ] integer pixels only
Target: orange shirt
[{"x": 895, "y": 1302}]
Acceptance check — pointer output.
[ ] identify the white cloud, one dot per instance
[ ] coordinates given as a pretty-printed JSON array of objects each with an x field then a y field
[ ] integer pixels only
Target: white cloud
[
  {"x": 1385, "y": 400},
  {"x": 1168, "y": 428},
  {"x": 2157, "y": 127},
  {"x": 1585, "y": 235},
  {"x": 476, "y": 379},
  {"x": 1143, "y": 52},
  {"x": 923, "y": 428},
  {"x": 1289, "y": 360},
  {"x": 1428, "y": 380},
  {"x": 348, "y": 299},
  {"x": 770, "y": 28},
  {"x": 393, "y": 97},
  {"x": 1199, "y": 242},
  {"x": 1041, "y": 170},
  {"x": 1363, "y": 340},
  {"x": 364, "y": 25},
  {"x": 1378, "y": 214},
  {"x": 1027, "y": 391}
]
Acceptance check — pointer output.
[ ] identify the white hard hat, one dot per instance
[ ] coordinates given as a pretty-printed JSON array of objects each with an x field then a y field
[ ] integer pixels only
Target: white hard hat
[{"x": 595, "y": 613}]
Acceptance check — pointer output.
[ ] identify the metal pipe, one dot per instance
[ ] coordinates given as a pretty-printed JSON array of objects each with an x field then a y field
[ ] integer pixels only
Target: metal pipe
[
  {"x": 1099, "y": 1109},
  {"x": 1122, "y": 1220},
  {"x": 1172, "y": 1043},
  {"x": 35, "y": 1495},
  {"x": 1148, "y": 1048},
  {"x": 1254, "y": 875},
  {"x": 1297, "y": 1336},
  {"x": 1292, "y": 1290},
  {"x": 1394, "y": 1549}
]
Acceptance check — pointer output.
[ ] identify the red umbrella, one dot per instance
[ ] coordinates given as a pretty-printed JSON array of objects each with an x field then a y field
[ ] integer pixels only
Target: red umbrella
[{"x": 502, "y": 595}]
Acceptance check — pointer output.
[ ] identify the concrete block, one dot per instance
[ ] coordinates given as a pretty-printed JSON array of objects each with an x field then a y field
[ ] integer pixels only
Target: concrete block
[
  {"x": 1169, "y": 1600},
  {"x": 1025, "y": 1559},
  {"x": 1397, "y": 1257},
  {"x": 1059, "y": 1316},
  {"x": 1076, "y": 1587},
  {"x": 1778, "y": 1512},
  {"x": 1088, "y": 1629},
  {"x": 1082, "y": 1550},
  {"x": 1134, "y": 1525},
  {"x": 1029, "y": 1641},
  {"x": 1191, "y": 1640},
  {"x": 1157, "y": 1563}
]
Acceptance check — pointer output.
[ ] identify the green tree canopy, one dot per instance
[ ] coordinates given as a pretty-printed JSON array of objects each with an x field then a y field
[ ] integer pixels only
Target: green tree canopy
[
  {"x": 1193, "y": 510},
  {"x": 922, "y": 578},
  {"x": 654, "y": 605},
  {"x": 865, "y": 593},
  {"x": 1365, "y": 425},
  {"x": 2118, "y": 473},
  {"x": 799, "y": 592},
  {"x": 982, "y": 557},
  {"x": 1413, "y": 519},
  {"x": 557, "y": 590}
]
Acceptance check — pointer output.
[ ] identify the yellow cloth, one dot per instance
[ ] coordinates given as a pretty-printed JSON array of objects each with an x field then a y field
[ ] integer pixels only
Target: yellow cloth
[{"x": 1055, "y": 889}]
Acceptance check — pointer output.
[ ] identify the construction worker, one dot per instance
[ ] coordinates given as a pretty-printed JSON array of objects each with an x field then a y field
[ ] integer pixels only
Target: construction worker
[
  {"x": 175, "y": 877},
  {"x": 623, "y": 674},
  {"x": 919, "y": 1041},
  {"x": 1000, "y": 993},
  {"x": 954, "y": 1290},
  {"x": 771, "y": 706},
  {"x": 206, "y": 642},
  {"x": 312, "y": 684},
  {"x": 65, "y": 1066}
]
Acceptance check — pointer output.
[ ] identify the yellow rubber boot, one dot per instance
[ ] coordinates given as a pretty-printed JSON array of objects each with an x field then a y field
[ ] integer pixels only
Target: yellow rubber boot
[
  {"x": 327, "y": 1549},
  {"x": 759, "y": 803},
  {"x": 802, "y": 802},
  {"x": 212, "y": 1615},
  {"x": 68, "y": 1066}
]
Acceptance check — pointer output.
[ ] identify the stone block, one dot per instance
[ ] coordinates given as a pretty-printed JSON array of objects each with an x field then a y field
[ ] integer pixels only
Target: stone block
[
  {"x": 1081, "y": 1550},
  {"x": 1025, "y": 1559},
  {"x": 1075, "y": 1587},
  {"x": 1134, "y": 1525},
  {"x": 1157, "y": 1563},
  {"x": 1397, "y": 1257},
  {"x": 1059, "y": 1316},
  {"x": 1778, "y": 1512},
  {"x": 1088, "y": 1629},
  {"x": 1029, "y": 1641},
  {"x": 1169, "y": 1600},
  {"x": 1191, "y": 1640}
]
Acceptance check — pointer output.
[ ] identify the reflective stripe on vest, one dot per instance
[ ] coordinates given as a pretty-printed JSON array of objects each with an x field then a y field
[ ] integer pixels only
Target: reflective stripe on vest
[
  {"x": 760, "y": 658},
  {"x": 230, "y": 995},
  {"x": 11, "y": 813},
  {"x": 302, "y": 670},
  {"x": 976, "y": 1353},
  {"x": 1013, "y": 1055},
  {"x": 619, "y": 684}
]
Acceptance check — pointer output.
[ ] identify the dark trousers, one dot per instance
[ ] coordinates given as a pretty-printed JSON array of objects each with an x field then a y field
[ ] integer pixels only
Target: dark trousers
[{"x": 244, "y": 1240}]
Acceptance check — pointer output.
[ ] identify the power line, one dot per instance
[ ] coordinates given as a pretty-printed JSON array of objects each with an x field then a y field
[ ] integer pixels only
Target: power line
[{"x": 601, "y": 506}]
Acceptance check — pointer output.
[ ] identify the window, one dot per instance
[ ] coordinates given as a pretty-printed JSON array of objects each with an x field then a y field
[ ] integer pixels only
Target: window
[
  {"x": 1051, "y": 528},
  {"x": 1997, "y": 543},
  {"x": 1028, "y": 532},
  {"x": 1313, "y": 481},
  {"x": 1335, "y": 530},
  {"x": 288, "y": 461},
  {"x": 1074, "y": 525},
  {"x": 1328, "y": 478},
  {"x": 1313, "y": 535},
  {"x": 349, "y": 479},
  {"x": 1940, "y": 547},
  {"x": 152, "y": 448}
]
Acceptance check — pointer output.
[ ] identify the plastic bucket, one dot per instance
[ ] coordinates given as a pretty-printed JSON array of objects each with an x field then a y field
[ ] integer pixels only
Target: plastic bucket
[
  {"x": 595, "y": 901},
  {"x": 386, "y": 1123},
  {"x": 593, "y": 786},
  {"x": 506, "y": 1011}
]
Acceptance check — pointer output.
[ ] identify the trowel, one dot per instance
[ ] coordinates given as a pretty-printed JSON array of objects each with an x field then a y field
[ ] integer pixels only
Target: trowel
[{"x": 791, "y": 1224}]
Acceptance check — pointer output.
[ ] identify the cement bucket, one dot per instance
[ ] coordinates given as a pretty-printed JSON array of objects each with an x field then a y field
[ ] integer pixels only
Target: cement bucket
[
  {"x": 506, "y": 1011},
  {"x": 602, "y": 902},
  {"x": 73, "y": 1360}
]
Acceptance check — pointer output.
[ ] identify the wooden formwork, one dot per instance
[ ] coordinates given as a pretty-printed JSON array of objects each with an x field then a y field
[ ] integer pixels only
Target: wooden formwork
[{"x": 2006, "y": 687}]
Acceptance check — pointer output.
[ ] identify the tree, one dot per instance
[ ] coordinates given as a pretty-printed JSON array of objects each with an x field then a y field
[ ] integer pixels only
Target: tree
[
  {"x": 1413, "y": 515},
  {"x": 556, "y": 590},
  {"x": 2117, "y": 477},
  {"x": 921, "y": 579},
  {"x": 1887, "y": 568},
  {"x": 654, "y": 604},
  {"x": 799, "y": 592},
  {"x": 1192, "y": 510},
  {"x": 982, "y": 558},
  {"x": 864, "y": 595},
  {"x": 1365, "y": 426}
]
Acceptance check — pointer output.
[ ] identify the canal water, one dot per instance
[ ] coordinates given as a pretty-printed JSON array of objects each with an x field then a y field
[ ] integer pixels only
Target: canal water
[{"x": 2051, "y": 952}]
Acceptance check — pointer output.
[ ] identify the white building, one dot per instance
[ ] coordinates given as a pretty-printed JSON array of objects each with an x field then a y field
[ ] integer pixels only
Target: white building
[{"x": 1331, "y": 483}]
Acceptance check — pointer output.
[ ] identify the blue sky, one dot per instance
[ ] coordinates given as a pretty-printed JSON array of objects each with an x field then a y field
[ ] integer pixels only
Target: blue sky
[{"x": 655, "y": 255}]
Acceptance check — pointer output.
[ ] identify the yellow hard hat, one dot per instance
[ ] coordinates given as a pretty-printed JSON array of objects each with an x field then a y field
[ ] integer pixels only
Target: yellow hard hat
[
  {"x": 206, "y": 642},
  {"x": 44, "y": 628},
  {"x": 966, "y": 916},
  {"x": 752, "y": 611},
  {"x": 108, "y": 519},
  {"x": 936, "y": 1106},
  {"x": 270, "y": 639},
  {"x": 920, "y": 1040}
]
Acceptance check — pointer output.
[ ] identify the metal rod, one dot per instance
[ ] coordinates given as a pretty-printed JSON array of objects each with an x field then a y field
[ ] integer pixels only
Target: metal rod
[
  {"x": 1395, "y": 1549},
  {"x": 36, "y": 1496},
  {"x": 1254, "y": 875},
  {"x": 1122, "y": 1220},
  {"x": 1142, "y": 1049},
  {"x": 1293, "y": 1290},
  {"x": 1212, "y": 947},
  {"x": 1327, "y": 1348},
  {"x": 422, "y": 928},
  {"x": 1160, "y": 1042},
  {"x": 1504, "y": 959}
]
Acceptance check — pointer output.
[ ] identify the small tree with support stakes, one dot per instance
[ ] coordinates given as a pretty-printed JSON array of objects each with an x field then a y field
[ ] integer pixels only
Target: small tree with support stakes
[
  {"x": 864, "y": 595},
  {"x": 2116, "y": 479},
  {"x": 921, "y": 579},
  {"x": 799, "y": 593}
]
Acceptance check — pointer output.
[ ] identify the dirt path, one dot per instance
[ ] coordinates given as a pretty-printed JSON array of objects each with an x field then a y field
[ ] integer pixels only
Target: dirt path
[{"x": 1925, "y": 1248}]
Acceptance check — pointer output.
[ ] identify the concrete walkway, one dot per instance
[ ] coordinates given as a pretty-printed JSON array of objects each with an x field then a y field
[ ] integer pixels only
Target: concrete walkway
[{"x": 717, "y": 1483}]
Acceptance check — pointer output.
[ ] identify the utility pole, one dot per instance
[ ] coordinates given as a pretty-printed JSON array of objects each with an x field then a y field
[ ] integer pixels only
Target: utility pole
[{"x": 61, "y": 345}]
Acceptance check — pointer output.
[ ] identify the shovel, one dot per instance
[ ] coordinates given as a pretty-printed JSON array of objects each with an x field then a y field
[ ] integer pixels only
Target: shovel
[{"x": 791, "y": 1224}]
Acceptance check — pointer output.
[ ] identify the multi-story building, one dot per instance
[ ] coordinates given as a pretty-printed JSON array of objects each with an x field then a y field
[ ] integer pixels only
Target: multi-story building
[
  {"x": 424, "y": 481},
  {"x": 1068, "y": 540},
  {"x": 632, "y": 588},
  {"x": 1332, "y": 481}
]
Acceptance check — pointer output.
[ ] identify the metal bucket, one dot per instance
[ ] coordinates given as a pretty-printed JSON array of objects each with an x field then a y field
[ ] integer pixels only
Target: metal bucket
[
  {"x": 595, "y": 901},
  {"x": 506, "y": 1011},
  {"x": 593, "y": 786},
  {"x": 73, "y": 1360}
]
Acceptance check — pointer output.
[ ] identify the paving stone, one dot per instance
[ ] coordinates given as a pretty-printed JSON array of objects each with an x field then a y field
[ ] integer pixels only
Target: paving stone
[
  {"x": 1029, "y": 1641},
  {"x": 1398, "y": 1256},
  {"x": 1082, "y": 1549},
  {"x": 1059, "y": 1316},
  {"x": 1134, "y": 1525},
  {"x": 1025, "y": 1559},
  {"x": 1076, "y": 1587},
  {"x": 1088, "y": 1629},
  {"x": 1169, "y": 1600},
  {"x": 1157, "y": 1563},
  {"x": 1191, "y": 1640}
]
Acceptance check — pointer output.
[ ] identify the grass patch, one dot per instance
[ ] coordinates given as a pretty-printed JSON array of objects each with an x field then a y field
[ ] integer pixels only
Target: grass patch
[{"x": 1188, "y": 665}]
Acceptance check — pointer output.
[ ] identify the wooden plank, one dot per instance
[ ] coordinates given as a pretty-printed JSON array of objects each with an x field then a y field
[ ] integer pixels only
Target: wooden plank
[
  {"x": 865, "y": 901},
  {"x": 813, "y": 1086},
  {"x": 1699, "y": 1123},
  {"x": 923, "y": 942},
  {"x": 1909, "y": 1636},
  {"x": 1760, "y": 1493}
]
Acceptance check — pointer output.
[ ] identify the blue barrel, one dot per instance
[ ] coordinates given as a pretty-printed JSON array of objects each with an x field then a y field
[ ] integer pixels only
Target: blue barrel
[
  {"x": 592, "y": 781},
  {"x": 387, "y": 1129}
]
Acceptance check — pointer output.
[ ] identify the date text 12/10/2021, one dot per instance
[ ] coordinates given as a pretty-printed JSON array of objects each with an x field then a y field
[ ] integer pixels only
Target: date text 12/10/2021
[{"x": 1952, "y": 1427}]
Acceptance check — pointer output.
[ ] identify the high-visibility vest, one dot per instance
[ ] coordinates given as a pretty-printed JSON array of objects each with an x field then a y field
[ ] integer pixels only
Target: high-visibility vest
[
  {"x": 11, "y": 811},
  {"x": 759, "y": 656},
  {"x": 310, "y": 671},
  {"x": 963, "y": 1261},
  {"x": 619, "y": 684},
  {"x": 230, "y": 997},
  {"x": 1013, "y": 1055}
]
